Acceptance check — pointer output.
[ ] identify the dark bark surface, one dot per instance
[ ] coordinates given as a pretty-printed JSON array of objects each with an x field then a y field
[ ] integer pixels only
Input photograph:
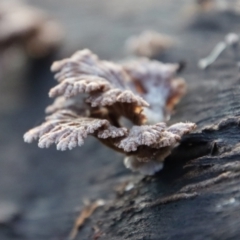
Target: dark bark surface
[{"x": 196, "y": 196}]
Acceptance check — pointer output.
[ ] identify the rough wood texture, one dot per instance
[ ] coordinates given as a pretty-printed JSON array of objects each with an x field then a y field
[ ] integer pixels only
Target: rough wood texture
[{"x": 196, "y": 196}]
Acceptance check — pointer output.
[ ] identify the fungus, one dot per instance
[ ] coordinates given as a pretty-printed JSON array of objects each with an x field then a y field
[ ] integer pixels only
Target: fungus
[
  {"x": 219, "y": 5},
  {"x": 157, "y": 84},
  {"x": 92, "y": 96},
  {"x": 205, "y": 5},
  {"x": 29, "y": 28},
  {"x": 148, "y": 44}
]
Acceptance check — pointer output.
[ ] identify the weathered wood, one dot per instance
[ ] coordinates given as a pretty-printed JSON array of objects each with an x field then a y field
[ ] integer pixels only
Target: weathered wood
[{"x": 196, "y": 196}]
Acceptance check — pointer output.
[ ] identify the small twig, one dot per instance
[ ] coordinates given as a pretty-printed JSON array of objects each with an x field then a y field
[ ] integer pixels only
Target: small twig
[
  {"x": 97, "y": 232},
  {"x": 84, "y": 215},
  {"x": 213, "y": 56},
  {"x": 231, "y": 40}
]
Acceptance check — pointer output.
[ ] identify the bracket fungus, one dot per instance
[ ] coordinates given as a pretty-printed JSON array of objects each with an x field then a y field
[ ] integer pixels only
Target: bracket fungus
[{"x": 92, "y": 98}]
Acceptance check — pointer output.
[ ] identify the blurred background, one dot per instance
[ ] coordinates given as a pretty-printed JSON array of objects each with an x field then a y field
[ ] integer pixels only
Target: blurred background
[{"x": 41, "y": 191}]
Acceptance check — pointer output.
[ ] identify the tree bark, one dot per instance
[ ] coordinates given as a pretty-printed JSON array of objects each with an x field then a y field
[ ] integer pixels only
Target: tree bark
[{"x": 195, "y": 196}]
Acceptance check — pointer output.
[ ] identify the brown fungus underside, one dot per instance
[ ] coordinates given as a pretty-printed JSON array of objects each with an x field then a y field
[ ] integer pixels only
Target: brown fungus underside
[{"x": 92, "y": 97}]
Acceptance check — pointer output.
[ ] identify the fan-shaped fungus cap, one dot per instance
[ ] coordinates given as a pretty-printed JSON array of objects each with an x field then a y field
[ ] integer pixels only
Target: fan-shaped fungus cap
[{"x": 92, "y": 97}]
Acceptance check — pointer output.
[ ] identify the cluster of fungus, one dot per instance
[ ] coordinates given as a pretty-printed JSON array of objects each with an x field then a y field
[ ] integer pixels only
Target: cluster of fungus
[
  {"x": 95, "y": 97},
  {"x": 28, "y": 28},
  {"x": 148, "y": 44}
]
